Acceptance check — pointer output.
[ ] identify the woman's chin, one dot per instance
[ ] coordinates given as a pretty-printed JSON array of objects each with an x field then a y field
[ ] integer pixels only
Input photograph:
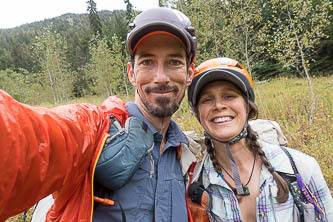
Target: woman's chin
[{"x": 225, "y": 135}]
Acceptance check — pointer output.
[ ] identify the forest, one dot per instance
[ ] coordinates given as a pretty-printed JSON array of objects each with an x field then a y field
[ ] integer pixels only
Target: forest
[{"x": 77, "y": 55}]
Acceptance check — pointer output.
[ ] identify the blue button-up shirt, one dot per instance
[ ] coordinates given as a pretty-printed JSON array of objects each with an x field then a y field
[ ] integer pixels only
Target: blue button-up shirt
[{"x": 156, "y": 192}]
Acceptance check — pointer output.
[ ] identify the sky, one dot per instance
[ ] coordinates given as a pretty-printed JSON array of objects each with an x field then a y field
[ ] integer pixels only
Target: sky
[{"x": 18, "y": 12}]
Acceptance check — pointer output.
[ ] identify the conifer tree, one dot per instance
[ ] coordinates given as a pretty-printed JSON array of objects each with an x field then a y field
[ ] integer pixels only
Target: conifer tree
[
  {"x": 129, "y": 11},
  {"x": 94, "y": 19}
]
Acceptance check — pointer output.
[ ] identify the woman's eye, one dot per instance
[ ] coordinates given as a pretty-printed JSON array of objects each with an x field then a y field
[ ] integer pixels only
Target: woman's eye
[
  {"x": 228, "y": 97},
  {"x": 205, "y": 100}
]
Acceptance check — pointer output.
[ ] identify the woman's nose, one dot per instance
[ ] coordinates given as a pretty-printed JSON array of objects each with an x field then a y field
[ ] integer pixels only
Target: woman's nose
[{"x": 219, "y": 104}]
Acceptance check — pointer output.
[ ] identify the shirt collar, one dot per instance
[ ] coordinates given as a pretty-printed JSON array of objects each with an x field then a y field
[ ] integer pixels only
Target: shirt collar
[
  {"x": 213, "y": 177},
  {"x": 216, "y": 179}
]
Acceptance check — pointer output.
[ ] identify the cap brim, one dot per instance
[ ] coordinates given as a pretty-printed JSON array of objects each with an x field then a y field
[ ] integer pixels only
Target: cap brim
[
  {"x": 217, "y": 75},
  {"x": 137, "y": 34}
]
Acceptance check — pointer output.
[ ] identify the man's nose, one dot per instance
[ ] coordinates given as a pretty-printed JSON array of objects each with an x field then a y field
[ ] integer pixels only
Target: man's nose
[{"x": 161, "y": 75}]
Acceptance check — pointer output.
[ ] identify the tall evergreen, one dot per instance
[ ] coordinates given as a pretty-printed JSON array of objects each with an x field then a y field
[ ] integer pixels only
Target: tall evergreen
[
  {"x": 161, "y": 3},
  {"x": 129, "y": 10},
  {"x": 94, "y": 19}
]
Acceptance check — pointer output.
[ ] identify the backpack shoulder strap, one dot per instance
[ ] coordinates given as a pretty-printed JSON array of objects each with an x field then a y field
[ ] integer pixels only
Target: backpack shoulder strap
[
  {"x": 289, "y": 177},
  {"x": 292, "y": 162},
  {"x": 300, "y": 191}
]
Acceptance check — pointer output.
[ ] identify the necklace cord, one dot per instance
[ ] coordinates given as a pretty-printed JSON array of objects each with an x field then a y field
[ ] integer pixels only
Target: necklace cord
[{"x": 248, "y": 181}]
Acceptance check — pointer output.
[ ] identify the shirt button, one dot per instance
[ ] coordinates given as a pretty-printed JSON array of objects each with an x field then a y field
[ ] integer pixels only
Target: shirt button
[{"x": 262, "y": 214}]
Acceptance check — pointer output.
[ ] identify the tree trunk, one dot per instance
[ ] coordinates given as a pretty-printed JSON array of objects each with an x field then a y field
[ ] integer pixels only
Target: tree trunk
[
  {"x": 214, "y": 34},
  {"x": 62, "y": 79},
  {"x": 51, "y": 82},
  {"x": 313, "y": 96},
  {"x": 246, "y": 51}
]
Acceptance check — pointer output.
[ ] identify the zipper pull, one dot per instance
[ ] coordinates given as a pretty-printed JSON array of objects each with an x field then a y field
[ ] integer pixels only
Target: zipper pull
[{"x": 152, "y": 167}]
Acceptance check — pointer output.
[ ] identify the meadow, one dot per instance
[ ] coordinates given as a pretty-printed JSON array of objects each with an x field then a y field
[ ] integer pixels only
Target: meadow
[{"x": 287, "y": 101}]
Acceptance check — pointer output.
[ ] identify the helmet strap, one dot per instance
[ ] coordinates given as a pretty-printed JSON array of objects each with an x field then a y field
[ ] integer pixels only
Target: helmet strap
[
  {"x": 240, "y": 189},
  {"x": 242, "y": 134}
]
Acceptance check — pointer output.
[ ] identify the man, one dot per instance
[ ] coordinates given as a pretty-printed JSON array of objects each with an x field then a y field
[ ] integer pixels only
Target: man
[
  {"x": 162, "y": 52},
  {"x": 64, "y": 143}
]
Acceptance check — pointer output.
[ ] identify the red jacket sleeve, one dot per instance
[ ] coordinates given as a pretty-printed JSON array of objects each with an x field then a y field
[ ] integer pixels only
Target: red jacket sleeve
[{"x": 42, "y": 149}]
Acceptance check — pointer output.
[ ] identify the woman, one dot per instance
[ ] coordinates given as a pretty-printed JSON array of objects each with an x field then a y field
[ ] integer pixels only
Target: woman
[{"x": 242, "y": 175}]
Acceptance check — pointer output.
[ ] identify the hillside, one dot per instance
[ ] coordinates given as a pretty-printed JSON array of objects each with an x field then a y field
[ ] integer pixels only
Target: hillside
[{"x": 16, "y": 43}]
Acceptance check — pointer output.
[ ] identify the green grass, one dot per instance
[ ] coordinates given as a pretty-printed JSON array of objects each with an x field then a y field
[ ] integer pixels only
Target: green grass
[{"x": 286, "y": 101}]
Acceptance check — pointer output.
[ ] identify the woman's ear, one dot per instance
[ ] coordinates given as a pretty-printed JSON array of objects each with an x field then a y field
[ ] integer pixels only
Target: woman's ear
[{"x": 196, "y": 115}]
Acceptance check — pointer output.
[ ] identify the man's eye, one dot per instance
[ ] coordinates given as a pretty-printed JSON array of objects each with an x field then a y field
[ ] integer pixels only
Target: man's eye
[
  {"x": 175, "y": 62},
  {"x": 147, "y": 62}
]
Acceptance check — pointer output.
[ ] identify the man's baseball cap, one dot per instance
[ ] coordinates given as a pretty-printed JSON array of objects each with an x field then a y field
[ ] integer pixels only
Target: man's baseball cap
[{"x": 162, "y": 20}]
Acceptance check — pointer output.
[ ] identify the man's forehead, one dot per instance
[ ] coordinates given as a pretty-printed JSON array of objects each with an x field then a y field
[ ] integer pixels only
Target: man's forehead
[
  {"x": 143, "y": 54},
  {"x": 158, "y": 43}
]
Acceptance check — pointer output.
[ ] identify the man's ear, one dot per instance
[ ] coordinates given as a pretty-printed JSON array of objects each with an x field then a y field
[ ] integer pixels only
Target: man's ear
[
  {"x": 131, "y": 74},
  {"x": 190, "y": 72}
]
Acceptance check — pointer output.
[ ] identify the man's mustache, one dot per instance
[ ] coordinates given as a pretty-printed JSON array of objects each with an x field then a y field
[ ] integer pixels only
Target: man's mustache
[{"x": 162, "y": 89}]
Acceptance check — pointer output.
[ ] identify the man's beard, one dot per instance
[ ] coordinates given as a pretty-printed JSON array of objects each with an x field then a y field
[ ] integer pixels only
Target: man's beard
[{"x": 166, "y": 105}]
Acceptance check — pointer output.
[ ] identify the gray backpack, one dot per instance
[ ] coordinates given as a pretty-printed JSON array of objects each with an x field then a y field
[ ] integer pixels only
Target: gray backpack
[{"x": 269, "y": 131}]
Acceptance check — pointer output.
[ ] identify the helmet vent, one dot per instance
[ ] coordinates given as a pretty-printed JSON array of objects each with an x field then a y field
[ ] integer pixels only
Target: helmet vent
[
  {"x": 191, "y": 30},
  {"x": 132, "y": 25}
]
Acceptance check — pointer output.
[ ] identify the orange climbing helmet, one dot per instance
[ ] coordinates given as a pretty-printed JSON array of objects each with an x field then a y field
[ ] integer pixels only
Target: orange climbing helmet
[{"x": 220, "y": 69}]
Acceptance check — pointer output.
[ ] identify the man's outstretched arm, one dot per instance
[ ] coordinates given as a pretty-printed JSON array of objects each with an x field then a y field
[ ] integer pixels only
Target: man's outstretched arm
[{"x": 44, "y": 150}]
